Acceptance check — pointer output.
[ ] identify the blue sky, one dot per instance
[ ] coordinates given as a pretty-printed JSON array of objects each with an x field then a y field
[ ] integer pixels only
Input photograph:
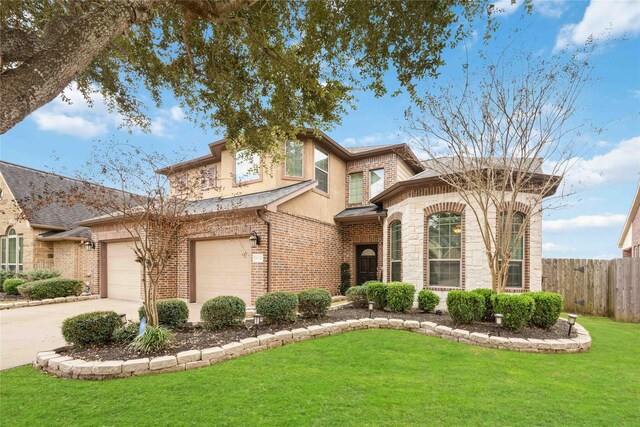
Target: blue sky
[{"x": 605, "y": 177}]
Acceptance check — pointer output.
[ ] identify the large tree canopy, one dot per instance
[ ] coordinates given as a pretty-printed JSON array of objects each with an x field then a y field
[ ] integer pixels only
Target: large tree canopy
[{"x": 246, "y": 66}]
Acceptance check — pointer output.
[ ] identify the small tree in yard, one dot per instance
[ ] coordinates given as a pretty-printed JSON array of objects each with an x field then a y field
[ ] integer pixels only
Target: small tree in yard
[{"x": 487, "y": 141}]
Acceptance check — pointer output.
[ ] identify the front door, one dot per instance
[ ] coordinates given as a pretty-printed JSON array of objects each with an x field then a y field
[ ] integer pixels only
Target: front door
[{"x": 367, "y": 263}]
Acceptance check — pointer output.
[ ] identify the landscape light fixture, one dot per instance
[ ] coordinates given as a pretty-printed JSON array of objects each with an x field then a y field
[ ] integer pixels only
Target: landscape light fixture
[
  {"x": 256, "y": 324},
  {"x": 254, "y": 239},
  {"x": 370, "y": 309},
  {"x": 499, "y": 318},
  {"x": 123, "y": 318},
  {"x": 89, "y": 245},
  {"x": 572, "y": 321}
]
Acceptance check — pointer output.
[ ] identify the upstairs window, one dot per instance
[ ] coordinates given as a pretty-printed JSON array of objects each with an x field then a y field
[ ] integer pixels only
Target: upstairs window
[
  {"x": 209, "y": 177},
  {"x": 321, "y": 161},
  {"x": 181, "y": 183},
  {"x": 515, "y": 275},
  {"x": 395, "y": 235},
  {"x": 445, "y": 249},
  {"x": 294, "y": 162},
  {"x": 355, "y": 187},
  {"x": 376, "y": 182},
  {"x": 11, "y": 246},
  {"x": 247, "y": 167}
]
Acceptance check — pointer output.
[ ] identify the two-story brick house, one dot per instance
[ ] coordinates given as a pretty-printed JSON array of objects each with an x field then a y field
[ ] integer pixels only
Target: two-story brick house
[{"x": 289, "y": 226}]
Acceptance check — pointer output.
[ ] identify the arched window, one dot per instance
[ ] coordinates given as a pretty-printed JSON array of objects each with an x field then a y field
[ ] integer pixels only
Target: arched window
[
  {"x": 11, "y": 246},
  {"x": 395, "y": 236},
  {"x": 515, "y": 277},
  {"x": 445, "y": 249}
]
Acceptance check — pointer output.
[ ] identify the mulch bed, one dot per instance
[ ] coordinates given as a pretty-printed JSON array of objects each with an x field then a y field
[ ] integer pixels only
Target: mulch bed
[
  {"x": 5, "y": 297},
  {"x": 196, "y": 338}
]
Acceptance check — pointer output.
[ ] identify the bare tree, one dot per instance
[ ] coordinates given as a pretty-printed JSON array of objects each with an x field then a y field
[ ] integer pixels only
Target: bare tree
[{"x": 488, "y": 140}]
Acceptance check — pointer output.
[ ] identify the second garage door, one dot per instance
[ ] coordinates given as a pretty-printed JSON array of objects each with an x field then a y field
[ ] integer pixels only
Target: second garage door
[
  {"x": 223, "y": 267},
  {"x": 123, "y": 272}
]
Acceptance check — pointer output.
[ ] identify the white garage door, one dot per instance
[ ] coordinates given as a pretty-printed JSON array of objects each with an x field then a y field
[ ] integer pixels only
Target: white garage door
[
  {"x": 123, "y": 272},
  {"x": 223, "y": 267}
]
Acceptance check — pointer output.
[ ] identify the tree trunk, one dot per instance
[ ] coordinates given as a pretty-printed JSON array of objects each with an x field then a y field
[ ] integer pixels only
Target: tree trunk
[{"x": 41, "y": 78}]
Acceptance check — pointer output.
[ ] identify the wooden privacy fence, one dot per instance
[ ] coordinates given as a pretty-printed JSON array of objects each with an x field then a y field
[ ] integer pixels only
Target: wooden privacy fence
[{"x": 596, "y": 287}]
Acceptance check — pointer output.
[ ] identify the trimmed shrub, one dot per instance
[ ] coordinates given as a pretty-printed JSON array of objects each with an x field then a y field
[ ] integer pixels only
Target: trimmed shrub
[
  {"x": 90, "y": 328},
  {"x": 377, "y": 292},
  {"x": 172, "y": 313},
  {"x": 314, "y": 302},
  {"x": 400, "y": 296},
  {"x": 126, "y": 333},
  {"x": 516, "y": 309},
  {"x": 465, "y": 307},
  {"x": 358, "y": 296},
  {"x": 345, "y": 277},
  {"x": 10, "y": 286},
  {"x": 488, "y": 306},
  {"x": 223, "y": 311},
  {"x": 548, "y": 306},
  {"x": 427, "y": 300},
  {"x": 4, "y": 275},
  {"x": 152, "y": 339},
  {"x": 278, "y": 307},
  {"x": 39, "y": 274},
  {"x": 51, "y": 288}
]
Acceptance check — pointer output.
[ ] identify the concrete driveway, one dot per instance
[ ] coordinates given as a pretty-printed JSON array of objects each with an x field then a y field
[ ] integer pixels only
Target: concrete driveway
[{"x": 25, "y": 331}]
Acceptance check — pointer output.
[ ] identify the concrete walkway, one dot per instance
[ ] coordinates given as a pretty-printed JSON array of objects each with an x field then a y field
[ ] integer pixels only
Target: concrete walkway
[{"x": 25, "y": 331}]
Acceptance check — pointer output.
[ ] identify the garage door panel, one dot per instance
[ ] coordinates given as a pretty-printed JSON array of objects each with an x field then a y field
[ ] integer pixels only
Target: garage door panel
[
  {"x": 123, "y": 272},
  {"x": 223, "y": 267}
]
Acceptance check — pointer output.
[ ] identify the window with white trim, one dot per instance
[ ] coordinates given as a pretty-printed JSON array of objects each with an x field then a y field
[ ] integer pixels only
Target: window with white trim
[
  {"x": 209, "y": 177},
  {"x": 376, "y": 182},
  {"x": 321, "y": 161},
  {"x": 247, "y": 167},
  {"x": 515, "y": 275},
  {"x": 356, "y": 187},
  {"x": 445, "y": 249},
  {"x": 11, "y": 246},
  {"x": 395, "y": 236},
  {"x": 294, "y": 162}
]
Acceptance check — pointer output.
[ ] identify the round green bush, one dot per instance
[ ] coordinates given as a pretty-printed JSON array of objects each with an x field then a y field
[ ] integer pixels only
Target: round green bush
[
  {"x": 358, "y": 296},
  {"x": 400, "y": 296},
  {"x": 223, "y": 311},
  {"x": 172, "y": 313},
  {"x": 516, "y": 309},
  {"x": 4, "y": 275},
  {"x": 152, "y": 339},
  {"x": 548, "y": 306},
  {"x": 314, "y": 302},
  {"x": 488, "y": 306},
  {"x": 10, "y": 286},
  {"x": 377, "y": 292},
  {"x": 465, "y": 307},
  {"x": 278, "y": 307},
  {"x": 126, "y": 333},
  {"x": 91, "y": 328},
  {"x": 51, "y": 288},
  {"x": 427, "y": 300}
]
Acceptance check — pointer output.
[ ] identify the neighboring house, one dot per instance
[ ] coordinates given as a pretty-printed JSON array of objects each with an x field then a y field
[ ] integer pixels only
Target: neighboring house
[
  {"x": 289, "y": 227},
  {"x": 41, "y": 238},
  {"x": 629, "y": 241}
]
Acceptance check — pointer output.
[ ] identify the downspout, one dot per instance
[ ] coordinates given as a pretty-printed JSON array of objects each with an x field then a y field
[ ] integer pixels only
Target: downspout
[{"x": 268, "y": 250}]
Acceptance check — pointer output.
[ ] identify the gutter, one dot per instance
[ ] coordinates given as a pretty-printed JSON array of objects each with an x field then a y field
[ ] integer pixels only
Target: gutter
[{"x": 268, "y": 248}]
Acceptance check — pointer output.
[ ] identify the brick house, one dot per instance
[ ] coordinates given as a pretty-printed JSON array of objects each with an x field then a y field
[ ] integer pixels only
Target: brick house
[
  {"x": 289, "y": 226},
  {"x": 629, "y": 242},
  {"x": 47, "y": 237}
]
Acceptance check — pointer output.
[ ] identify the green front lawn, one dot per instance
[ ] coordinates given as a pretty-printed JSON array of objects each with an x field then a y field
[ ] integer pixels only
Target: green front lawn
[{"x": 373, "y": 377}]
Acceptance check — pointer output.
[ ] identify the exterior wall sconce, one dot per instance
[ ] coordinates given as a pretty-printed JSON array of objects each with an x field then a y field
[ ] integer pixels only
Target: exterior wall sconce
[
  {"x": 370, "y": 309},
  {"x": 254, "y": 239},
  {"x": 572, "y": 321},
  {"x": 499, "y": 318},
  {"x": 256, "y": 324},
  {"x": 89, "y": 245}
]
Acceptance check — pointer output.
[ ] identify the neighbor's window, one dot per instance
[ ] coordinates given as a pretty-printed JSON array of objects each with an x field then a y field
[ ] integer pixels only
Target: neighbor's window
[
  {"x": 376, "y": 182},
  {"x": 355, "y": 187},
  {"x": 181, "y": 183},
  {"x": 294, "y": 151},
  {"x": 321, "y": 160},
  {"x": 395, "y": 234},
  {"x": 247, "y": 167},
  {"x": 515, "y": 277},
  {"x": 11, "y": 251},
  {"x": 209, "y": 177},
  {"x": 445, "y": 249}
]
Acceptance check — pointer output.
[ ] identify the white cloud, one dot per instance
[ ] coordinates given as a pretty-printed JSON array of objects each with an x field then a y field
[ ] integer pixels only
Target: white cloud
[
  {"x": 550, "y": 8},
  {"x": 555, "y": 247},
  {"x": 621, "y": 163},
  {"x": 505, "y": 7},
  {"x": 68, "y": 125},
  {"x": 372, "y": 139},
  {"x": 602, "y": 20},
  {"x": 176, "y": 113},
  {"x": 582, "y": 222}
]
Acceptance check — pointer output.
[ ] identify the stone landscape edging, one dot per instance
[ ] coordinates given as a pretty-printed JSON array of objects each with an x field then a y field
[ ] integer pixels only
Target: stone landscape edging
[
  {"x": 46, "y": 301},
  {"x": 68, "y": 367}
]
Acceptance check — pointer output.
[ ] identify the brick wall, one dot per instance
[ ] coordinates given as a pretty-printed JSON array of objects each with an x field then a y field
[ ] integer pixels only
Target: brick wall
[
  {"x": 355, "y": 234},
  {"x": 72, "y": 260}
]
